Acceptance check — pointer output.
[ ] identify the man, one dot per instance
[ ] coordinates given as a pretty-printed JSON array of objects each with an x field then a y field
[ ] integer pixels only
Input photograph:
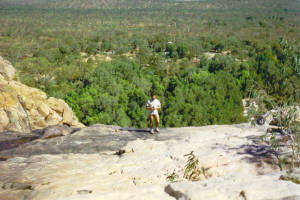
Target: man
[{"x": 153, "y": 105}]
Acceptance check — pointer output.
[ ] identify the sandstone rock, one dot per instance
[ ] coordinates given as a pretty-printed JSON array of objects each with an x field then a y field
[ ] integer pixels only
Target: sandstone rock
[
  {"x": 12, "y": 110},
  {"x": 44, "y": 110},
  {"x": 53, "y": 118},
  {"x": 67, "y": 116},
  {"x": 56, "y": 104},
  {"x": 7, "y": 95},
  {"x": 38, "y": 124},
  {"x": 28, "y": 93},
  {"x": 30, "y": 104},
  {"x": 63, "y": 109},
  {"x": 18, "y": 119},
  {"x": 6, "y": 69},
  {"x": 56, "y": 131},
  {"x": 34, "y": 114},
  {"x": 76, "y": 123},
  {"x": 37, "y": 121},
  {"x": 4, "y": 120},
  {"x": 27, "y": 107}
]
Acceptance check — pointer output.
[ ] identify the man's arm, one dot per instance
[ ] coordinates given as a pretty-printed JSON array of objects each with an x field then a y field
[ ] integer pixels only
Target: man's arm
[
  {"x": 148, "y": 106},
  {"x": 158, "y": 106}
]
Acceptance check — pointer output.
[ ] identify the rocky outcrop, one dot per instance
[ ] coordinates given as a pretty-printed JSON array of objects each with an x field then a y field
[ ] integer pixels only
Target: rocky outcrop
[
  {"x": 24, "y": 108},
  {"x": 7, "y": 71},
  {"x": 112, "y": 163}
]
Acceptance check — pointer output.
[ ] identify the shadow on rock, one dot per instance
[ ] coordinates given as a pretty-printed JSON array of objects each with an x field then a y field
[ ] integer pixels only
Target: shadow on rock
[
  {"x": 258, "y": 153},
  {"x": 11, "y": 144},
  {"x": 93, "y": 139},
  {"x": 10, "y": 141}
]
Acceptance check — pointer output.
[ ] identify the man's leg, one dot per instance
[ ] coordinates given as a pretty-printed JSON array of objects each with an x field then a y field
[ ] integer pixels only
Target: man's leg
[
  {"x": 157, "y": 122},
  {"x": 151, "y": 122}
]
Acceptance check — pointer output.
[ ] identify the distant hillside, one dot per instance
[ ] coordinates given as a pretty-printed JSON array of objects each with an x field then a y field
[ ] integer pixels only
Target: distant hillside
[
  {"x": 81, "y": 4},
  {"x": 111, "y": 4}
]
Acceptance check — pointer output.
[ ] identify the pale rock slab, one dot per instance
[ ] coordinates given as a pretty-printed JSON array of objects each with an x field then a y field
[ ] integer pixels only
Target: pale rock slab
[{"x": 86, "y": 165}]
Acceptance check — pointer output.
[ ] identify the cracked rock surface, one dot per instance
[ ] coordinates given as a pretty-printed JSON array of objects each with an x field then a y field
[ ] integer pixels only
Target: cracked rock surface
[{"x": 109, "y": 162}]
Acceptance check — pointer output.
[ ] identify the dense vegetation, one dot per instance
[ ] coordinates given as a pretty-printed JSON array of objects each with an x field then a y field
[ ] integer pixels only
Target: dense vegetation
[{"x": 200, "y": 61}]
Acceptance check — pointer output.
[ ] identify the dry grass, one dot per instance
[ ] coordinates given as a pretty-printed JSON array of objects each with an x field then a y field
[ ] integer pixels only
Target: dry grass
[{"x": 193, "y": 171}]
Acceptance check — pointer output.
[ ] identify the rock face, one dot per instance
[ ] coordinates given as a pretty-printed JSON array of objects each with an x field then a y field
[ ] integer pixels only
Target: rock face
[
  {"x": 23, "y": 108},
  {"x": 111, "y": 163}
]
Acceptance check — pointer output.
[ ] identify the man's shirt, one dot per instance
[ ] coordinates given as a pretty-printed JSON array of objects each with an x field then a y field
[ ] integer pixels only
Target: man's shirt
[{"x": 153, "y": 104}]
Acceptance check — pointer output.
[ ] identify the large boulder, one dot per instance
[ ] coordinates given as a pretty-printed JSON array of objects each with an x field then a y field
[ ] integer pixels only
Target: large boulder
[{"x": 23, "y": 108}]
